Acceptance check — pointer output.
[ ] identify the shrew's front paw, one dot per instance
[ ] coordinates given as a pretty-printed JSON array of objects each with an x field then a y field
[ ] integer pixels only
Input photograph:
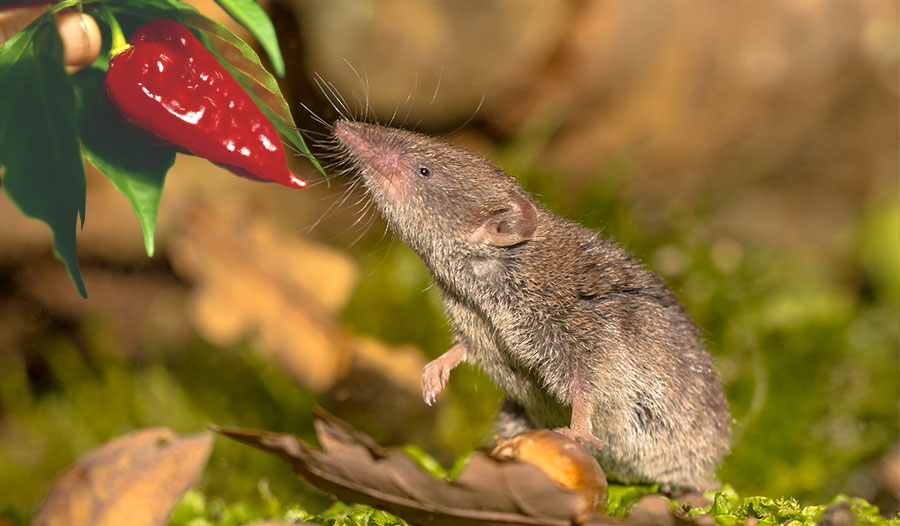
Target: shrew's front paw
[
  {"x": 434, "y": 377},
  {"x": 436, "y": 372}
]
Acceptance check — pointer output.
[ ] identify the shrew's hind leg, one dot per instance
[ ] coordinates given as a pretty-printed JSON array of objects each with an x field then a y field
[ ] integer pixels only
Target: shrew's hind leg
[{"x": 580, "y": 429}]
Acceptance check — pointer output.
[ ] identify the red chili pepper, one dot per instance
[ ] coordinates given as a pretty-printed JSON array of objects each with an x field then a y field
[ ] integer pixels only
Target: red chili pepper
[{"x": 170, "y": 85}]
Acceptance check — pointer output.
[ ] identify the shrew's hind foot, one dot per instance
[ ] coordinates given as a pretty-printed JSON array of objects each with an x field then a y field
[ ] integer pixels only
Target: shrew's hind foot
[{"x": 582, "y": 436}]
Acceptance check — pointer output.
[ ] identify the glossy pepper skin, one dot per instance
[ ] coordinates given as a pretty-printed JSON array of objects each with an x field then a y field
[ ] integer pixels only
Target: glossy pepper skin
[{"x": 170, "y": 85}]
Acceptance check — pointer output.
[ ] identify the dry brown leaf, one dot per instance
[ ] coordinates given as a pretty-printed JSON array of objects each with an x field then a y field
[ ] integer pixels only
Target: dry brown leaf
[
  {"x": 354, "y": 468},
  {"x": 487, "y": 492},
  {"x": 135, "y": 479},
  {"x": 255, "y": 280}
]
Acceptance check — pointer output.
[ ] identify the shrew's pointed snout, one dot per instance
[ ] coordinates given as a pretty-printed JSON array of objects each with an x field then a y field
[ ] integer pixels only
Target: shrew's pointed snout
[
  {"x": 367, "y": 141},
  {"x": 356, "y": 135},
  {"x": 371, "y": 141},
  {"x": 377, "y": 151},
  {"x": 346, "y": 129}
]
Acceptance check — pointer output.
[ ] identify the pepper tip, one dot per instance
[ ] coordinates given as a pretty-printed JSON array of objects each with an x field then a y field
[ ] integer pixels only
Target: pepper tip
[{"x": 296, "y": 182}]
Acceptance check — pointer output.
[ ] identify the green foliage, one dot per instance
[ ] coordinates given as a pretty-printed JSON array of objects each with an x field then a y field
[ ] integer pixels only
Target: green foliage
[
  {"x": 250, "y": 15},
  {"x": 195, "y": 510},
  {"x": 41, "y": 145},
  {"x": 728, "y": 509},
  {"x": 341, "y": 514},
  {"x": 622, "y": 499},
  {"x": 879, "y": 250},
  {"x": 432, "y": 465},
  {"x": 43, "y": 172},
  {"x": 411, "y": 308},
  {"x": 136, "y": 168},
  {"x": 425, "y": 461}
]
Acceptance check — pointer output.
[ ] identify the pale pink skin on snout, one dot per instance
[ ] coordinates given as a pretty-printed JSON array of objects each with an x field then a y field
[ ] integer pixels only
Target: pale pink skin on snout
[{"x": 387, "y": 164}]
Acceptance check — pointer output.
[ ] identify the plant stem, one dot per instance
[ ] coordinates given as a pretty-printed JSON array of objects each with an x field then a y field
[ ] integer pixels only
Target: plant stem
[
  {"x": 119, "y": 44},
  {"x": 62, "y": 5}
]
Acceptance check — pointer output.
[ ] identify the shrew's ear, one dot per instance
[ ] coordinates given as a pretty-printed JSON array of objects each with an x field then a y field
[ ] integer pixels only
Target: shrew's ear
[{"x": 506, "y": 226}]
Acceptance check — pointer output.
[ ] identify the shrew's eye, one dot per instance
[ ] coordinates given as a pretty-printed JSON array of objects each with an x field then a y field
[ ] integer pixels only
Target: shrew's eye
[{"x": 424, "y": 172}]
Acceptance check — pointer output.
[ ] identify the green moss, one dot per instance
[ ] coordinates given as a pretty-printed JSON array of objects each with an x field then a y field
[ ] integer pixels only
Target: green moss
[
  {"x": 622, "y": 499},
  {"x": 727, "y": 509},
  {"x": 195, "y": 510}
]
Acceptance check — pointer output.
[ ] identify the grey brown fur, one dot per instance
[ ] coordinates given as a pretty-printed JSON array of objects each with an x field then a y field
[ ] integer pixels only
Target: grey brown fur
[{"x": 556, "y": 317}]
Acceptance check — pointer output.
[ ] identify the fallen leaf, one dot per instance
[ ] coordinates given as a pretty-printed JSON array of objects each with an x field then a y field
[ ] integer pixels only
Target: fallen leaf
[
  {"x": 487, "y": 492},
  {"x": 255, "y": 280},
  {"x": 135, "y": 479},
  {"x": 563, "y": 460}
]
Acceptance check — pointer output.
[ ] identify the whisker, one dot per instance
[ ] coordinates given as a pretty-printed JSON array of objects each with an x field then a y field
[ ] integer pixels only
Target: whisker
[
  {"x": 340, "y": 98},
  {"x": 472, "y": 116},
  {"x": 364, "y": 85},
  {"x": 326, "y": 92},
  {"x": 409, "y": 100},
  {"x": 365, "y": 230},
  {"x": 433, "y": 97},
  {"x": 368, "y": 92},
  {"x": 383, "y": 258},
  {"x": 315, "y": 115}
]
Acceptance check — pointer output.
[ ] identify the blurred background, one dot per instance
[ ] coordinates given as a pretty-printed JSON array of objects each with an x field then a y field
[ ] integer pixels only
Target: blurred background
[{"x": 747, "y": 151}]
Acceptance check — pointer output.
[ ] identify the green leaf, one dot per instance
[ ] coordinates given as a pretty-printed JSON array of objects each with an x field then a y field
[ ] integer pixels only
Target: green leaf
[
  {"x": 425, "y": 461},
  {"x": 728, "y": 509},
  {"x": 725, "y": 520},
  {"x": 250, "y": 15},
  {"x": 135, "y": 166},
  {"x": 721, "y": 505},
  {"x": 43, "y": 168},
  {"x": 622, "y": 499},
  {"x": 461, "y": 462}
]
